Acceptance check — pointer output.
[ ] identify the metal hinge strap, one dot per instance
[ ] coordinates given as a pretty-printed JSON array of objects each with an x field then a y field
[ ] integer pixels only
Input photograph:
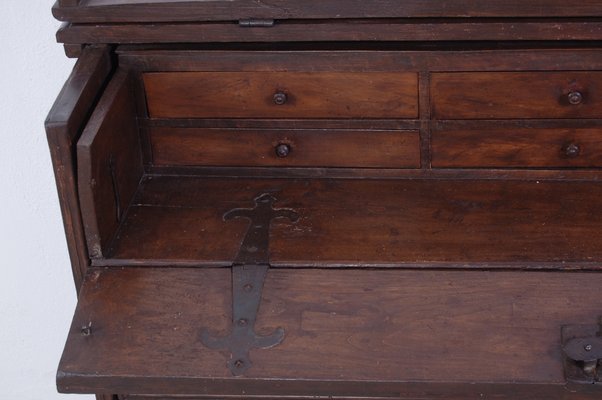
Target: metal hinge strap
[
  {"x": 256, "y": 23},
  {"x": 248, "y": 275}
]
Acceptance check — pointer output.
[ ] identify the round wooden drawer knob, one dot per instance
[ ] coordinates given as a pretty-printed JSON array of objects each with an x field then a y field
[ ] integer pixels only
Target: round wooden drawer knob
[
  {"x": 280, "y": 98},
  {"x": 575, "y": 98},
  {"x": 572, "y": 150},
  {"x": 283, "y": 150}
]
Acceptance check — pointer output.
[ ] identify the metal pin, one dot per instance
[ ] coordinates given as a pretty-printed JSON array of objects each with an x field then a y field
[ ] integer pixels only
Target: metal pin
[{"x": 87, "y": 329}]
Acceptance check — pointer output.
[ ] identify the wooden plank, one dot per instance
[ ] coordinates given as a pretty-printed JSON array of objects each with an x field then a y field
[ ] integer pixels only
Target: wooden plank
[
  {"x": 518, "y": 148},
  {"x": 64, "y": 125},
  {"x": 73, "y": 50},
  {"x": 424, "y": 90},
  {"x": 109, "y": 164},
  {"x": 285, "y": 123},
  {"x": 317, "y": 148},
  {"x": 484, "y": 95},
  {"x": 395, "y": 59},
  {"x": 359, "y": 333},
  {"x": 376, "y": 222},
  {"x": 513, "y": 174},
  {"x": 334, "y": 31},
  {"x": 305, "y": 94},
  {"x": 94, "y": 11}
]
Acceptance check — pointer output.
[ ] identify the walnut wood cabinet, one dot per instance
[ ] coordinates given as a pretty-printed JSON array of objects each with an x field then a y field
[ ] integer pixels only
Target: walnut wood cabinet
[{"x": 332, "y": 199}]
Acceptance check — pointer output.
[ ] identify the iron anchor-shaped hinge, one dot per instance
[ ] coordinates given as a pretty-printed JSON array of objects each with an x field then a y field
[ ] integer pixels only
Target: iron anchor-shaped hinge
[
  {"x": 248, "y": 275},
  {"x": 582, "y": 348}
]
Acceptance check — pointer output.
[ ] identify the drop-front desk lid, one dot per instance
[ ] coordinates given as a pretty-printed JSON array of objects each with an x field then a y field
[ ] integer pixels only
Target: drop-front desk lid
[
  {"x": 102, "y": 11},
  {"x": 184, "y": 302},
  {"x": 354, "y": 333}
]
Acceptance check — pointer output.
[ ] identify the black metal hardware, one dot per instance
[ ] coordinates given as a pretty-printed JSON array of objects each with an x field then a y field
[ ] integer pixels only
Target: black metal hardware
[
  {"x": 582, "y": 348},
  {"x": 86, "y": 330},
  {"x": 256, "y": 23},
  {"x": 572, "y": 150},
  {"x": 248, "y": 275},
  {"x": 575, "y": 98},
  {"x": 283, "y": 150},
  {"x": 280, "y": 98}
]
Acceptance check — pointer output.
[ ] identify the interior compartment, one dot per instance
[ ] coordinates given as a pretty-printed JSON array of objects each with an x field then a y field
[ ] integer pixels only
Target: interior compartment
[
  {"x": 178, "y": 220},
  {"x": 370, "y": 191}
]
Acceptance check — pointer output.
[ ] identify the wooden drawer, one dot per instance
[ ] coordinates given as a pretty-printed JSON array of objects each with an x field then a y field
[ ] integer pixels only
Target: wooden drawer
[
  {"x": 281, "y": 95},
  {"x": 483, "y": 95},
  {"x": 517, "y": 147},
  {"x": 286, "y": 148}
]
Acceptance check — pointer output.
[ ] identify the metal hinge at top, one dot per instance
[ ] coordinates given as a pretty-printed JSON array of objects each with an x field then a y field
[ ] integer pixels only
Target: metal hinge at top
[{"x": 256, "y": 23}]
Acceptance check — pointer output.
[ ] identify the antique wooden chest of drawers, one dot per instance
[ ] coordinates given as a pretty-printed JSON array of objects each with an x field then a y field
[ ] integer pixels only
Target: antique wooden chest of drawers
[{"x": 332, "y": 199}]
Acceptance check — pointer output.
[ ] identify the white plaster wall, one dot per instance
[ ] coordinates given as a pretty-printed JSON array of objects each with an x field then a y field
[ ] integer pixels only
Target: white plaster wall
[{"x": 37, "y": 296}]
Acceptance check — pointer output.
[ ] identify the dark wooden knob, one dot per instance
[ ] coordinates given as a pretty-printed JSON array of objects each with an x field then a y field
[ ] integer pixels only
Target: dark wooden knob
[
  {"x": 283, "y": 150},
  {"x": 280, "y": 98},
  {"x": 575, "y": 98},
  {"x": 572, "y": 150}
]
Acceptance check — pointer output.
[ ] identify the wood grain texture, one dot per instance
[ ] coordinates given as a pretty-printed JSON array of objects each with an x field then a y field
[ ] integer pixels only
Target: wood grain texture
[
  {"x": 73, "y": 50},
  {"x": 109, "y": 164},
  {"x": 362, "y": 30},
  {"x": 382, "y": 58},
  {"x": 347, "y": 333},
  {"x": 518, "y": 148},
  {"x": 309, "y": 95},
  {"x": 315, "y": 148},
  {"x": 418, "y": 223},
  {"x": 410, "y": 391},
  {"x": 64, "y": 125},
  {"x": 497, "y": 174},
  {"x": 482, "y": 95},
  {"x": 95, "y": 11}
]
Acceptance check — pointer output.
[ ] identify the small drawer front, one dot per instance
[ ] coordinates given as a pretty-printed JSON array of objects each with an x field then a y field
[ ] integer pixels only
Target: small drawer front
[
  {"x": 281, "y": 95},
  {"x": 285, "y": 148},
  {"x": 517, "y": 148},
  {"x": 506, "y": 95}
]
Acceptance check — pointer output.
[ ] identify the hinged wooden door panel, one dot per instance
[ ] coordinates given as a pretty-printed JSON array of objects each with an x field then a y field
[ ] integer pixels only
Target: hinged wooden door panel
[
  {"x": 109, "y": 162},
  {"x": 64, "y": 126},
  {"x": 355, "y": 333}
]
